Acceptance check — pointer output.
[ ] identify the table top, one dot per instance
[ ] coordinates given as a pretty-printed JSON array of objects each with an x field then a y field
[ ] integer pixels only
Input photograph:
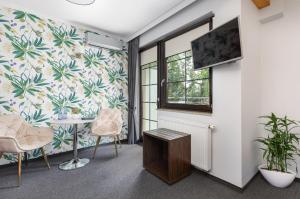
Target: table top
[
  {"x": 71, "y": 121},
  {"x": 166, "y": 134}
]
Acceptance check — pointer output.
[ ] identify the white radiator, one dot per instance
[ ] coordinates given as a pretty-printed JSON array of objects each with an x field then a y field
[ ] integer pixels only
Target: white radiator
[{"x": 200, "y": 139}]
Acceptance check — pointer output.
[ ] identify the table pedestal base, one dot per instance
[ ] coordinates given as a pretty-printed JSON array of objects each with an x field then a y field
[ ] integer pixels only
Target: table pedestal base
[{"x": 74, "y": 164}]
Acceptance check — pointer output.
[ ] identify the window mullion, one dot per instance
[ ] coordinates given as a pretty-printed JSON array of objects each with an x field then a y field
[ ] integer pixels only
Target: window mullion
[
  {"x": 185, "y": 97},
  {"x": 149, "y": 105}
]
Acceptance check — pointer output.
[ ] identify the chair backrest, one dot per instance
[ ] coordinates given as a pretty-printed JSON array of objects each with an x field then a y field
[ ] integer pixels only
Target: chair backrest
[
  {"x": 108, "y": 115},
  {"x": 111, "y": 115},
  {"x": 10, "y": 126}
]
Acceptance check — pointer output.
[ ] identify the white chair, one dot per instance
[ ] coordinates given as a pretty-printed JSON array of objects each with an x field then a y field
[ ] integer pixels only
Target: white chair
[
  {"x": 108, "y": 123},
  {"x": 17, "y": 136}
]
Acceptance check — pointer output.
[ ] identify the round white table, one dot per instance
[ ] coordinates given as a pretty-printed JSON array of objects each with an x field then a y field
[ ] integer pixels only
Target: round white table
[{"x": 75, "y": 162}]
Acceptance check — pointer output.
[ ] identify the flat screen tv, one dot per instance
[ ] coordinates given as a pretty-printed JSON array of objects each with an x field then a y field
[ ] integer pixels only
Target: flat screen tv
[{"x": 219, "y": 46}]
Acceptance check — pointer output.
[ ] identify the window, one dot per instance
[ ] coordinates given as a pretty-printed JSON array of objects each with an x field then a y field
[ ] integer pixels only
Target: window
[
  {"x": 181, "y": 86},
  {"x": 168, "y": 78},
  {"x": 149, "y": 89},
  {"x": 184, "y": 84}
]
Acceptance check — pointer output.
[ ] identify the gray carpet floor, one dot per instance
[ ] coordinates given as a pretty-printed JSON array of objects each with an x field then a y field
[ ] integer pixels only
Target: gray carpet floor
[{"x": 123, "y": 177}]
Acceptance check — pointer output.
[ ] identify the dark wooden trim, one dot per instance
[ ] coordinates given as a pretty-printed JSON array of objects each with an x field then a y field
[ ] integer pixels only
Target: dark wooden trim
[
  {"x": 188, "y": 107},
  {"x": 147, "y": 47},
  {"x": 141, "y": 96},
  {"x": 163, "y": 73},
  {"x": 211, "y": 24}
]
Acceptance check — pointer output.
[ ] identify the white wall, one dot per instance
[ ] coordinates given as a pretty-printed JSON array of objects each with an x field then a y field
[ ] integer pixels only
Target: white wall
[
  {"x": 250, "y": 31},
  {"x": 226, "y": 151},
  {"x": 280, "y": 63},
  {"x": 224, "y": 10},
  {"x": 266, "y": 80}
]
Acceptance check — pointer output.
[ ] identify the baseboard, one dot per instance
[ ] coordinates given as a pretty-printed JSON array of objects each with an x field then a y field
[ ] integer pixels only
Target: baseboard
[
  {"x": 228, "y": 184},
  {"x": 247, "y": 184},
  {"x": 219, "y": 180},
  {"x": 124, "y": 141}
]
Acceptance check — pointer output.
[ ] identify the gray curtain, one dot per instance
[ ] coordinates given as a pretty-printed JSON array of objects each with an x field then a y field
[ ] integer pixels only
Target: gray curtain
[{"x": 133, "y": 91}]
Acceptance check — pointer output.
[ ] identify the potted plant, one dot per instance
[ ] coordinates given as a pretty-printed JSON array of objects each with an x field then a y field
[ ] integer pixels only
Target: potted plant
[{"x": 279, "y": 151}]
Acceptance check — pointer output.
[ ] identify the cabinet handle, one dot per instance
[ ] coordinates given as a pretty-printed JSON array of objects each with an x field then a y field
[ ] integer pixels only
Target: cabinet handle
[{"x": 162, "y": 82}]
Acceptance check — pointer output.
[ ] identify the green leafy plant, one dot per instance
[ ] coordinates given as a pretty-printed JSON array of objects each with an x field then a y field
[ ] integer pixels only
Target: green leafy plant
[
  {"x": 2, "y": 60},
  {"x": 25, "y": 47},
  {"x": 61, "y": 102},
  {"x": 1, "y": 19},
  {"x": 93, "y": 88},
  {"x": 280, "y": 146},
  {"x": 115, "y": 53},
  {"x": 24, "y": 84},
  {"x": 10, "y": 157},
  {"x": 90, "y": 113},
  {"x": 36, "y": 118},
  {"x": 5, "y": 104},
  {"x": 63, "y": 69},
  {"x": 116, "y": 101},
  {"x": 62, "y": 36},
  {"x": 2, "y": 102},
  {"x": 22, "y": 16},
  {"x": 116, "y": 74},
  {"x": 93, "y": 59},
  {"x": 62, "y": 136}
]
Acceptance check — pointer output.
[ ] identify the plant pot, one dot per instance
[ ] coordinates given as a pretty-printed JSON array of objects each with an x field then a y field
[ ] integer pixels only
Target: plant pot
[{"x": 277, "y": 178}]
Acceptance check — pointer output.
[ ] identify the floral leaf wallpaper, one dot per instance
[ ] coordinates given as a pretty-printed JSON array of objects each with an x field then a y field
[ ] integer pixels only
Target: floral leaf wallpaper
[{"x": 45, "y": 67}]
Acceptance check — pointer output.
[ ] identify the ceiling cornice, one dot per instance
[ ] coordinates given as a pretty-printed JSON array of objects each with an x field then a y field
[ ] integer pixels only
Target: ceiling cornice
[
  {"x": 161, "y": 18},
  {"x": 152, "y": 24},
  {"x": 78, "y": 25}
]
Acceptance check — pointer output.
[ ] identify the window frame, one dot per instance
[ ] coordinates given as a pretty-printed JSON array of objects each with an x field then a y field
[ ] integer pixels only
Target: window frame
[
  {"x": 185, "y": 79},
  {"x": 162, "y": 69},
  {"x": 161, "y": 72},
  {"x": 152, "y": 45},
  {"x": 141, "y": 93}
]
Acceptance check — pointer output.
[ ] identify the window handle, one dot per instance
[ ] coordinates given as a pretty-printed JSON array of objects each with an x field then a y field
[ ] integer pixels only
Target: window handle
[{"x": 162, "y": 82}]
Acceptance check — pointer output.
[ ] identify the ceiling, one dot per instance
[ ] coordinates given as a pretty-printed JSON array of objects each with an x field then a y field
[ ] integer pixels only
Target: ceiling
[{"x": 119, "y": 17}]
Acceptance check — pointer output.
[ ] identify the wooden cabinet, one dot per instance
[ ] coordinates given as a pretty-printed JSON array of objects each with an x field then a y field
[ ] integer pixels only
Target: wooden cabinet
[{"x": 167, "y": 154}]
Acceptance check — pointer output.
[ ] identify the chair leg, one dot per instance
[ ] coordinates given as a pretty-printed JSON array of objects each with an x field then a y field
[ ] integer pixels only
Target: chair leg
[
  {"x": 118, "y": 136},
  {"x": 45, "y": 157},
  {"x": 19, "y": 168},
  {"x": 26, "y": 159},
  {"x": 115, "y": 141},
  {"x": 97, "y": 144}
]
